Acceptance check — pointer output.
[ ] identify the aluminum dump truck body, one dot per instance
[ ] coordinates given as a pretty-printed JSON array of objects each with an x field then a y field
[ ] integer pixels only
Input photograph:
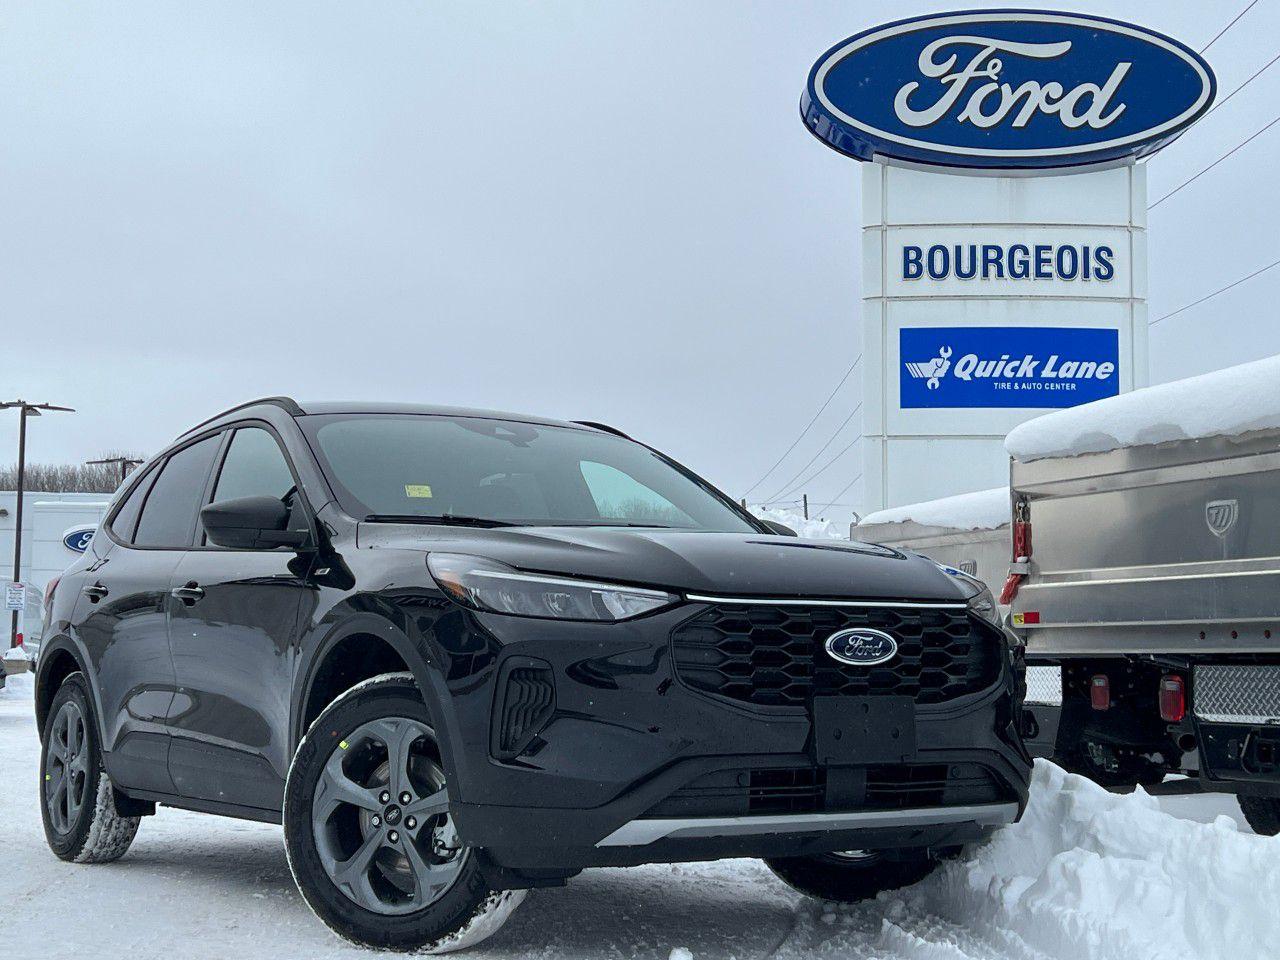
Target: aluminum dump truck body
[{"x": 1149, "y": 600}]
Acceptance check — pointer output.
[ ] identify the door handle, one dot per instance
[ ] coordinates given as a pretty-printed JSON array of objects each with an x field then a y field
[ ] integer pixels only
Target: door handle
[
  {"x": 188, "y": 594},
  {"x": 94, "y": 592}
]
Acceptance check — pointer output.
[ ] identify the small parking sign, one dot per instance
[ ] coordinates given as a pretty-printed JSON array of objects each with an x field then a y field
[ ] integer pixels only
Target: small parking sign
[{"x": 15, "y": 596}]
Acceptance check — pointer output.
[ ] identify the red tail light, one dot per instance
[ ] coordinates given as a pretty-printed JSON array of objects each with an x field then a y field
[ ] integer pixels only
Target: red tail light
[
  {"x": 49, "y": 587},
  {"x": 1173, "y": 699},
  {"x": 1100, "y": 692}
]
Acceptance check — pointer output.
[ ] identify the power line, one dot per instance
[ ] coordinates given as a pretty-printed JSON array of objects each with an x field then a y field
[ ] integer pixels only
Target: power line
[
  {"x": 1228, "y": 26},
  {"x": 839, "y": 495},
  {"x": 1215, "y": 163},
  {"x": 1260, "y": 72},
  {"x": 1274, "y": 263},
  {"x": 826, "y": 466},
  {"x": 786, "y": 488},
  {"x": 809, "y": 425}
]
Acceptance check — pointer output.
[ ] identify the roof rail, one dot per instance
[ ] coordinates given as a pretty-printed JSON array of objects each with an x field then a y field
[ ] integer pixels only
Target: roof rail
[
  {"x": 602, "y": 426},
  {"x": 287, "y": 404}
]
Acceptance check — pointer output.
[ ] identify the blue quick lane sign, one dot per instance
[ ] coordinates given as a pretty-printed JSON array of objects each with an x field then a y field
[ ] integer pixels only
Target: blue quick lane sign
[
  {"x": 1005, "y": 89},
  {"x": 1007, "y": 366}
]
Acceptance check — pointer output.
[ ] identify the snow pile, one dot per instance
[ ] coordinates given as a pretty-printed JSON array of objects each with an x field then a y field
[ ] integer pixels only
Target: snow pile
[
  {"x": 1087, "y": 873},
  {"x": 1223, "y": 403},
  {"x": 981, "y": 510},
  {"x": 810, "y": 529}
]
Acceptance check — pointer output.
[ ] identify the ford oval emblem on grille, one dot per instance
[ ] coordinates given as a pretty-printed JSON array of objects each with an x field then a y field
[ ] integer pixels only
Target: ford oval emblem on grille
[{"x": 862, "y": 647}]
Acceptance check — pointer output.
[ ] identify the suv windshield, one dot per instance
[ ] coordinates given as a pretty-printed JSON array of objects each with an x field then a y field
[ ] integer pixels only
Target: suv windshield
[{"x": 504, "y": 471}]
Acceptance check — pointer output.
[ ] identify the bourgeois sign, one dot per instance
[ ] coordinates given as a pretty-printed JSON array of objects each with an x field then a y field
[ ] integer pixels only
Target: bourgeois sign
[{"x": 1005, "y": 89}]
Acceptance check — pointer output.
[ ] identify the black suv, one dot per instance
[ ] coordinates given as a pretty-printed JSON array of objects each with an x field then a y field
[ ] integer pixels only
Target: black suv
[{"x": 460, "y": 654}]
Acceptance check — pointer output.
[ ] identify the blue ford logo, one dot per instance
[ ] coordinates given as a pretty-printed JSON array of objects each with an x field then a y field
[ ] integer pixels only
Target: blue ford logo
[
  {"x": 77, "y": 540},
  {"x": 1000, "y": 89},
  {"x": 862, "y": 647}
]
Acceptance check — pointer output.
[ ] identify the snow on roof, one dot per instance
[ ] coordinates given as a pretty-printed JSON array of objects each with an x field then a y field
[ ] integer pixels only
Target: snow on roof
[
  {"x": 1224, "y": 403},
  {"x": 981, "y": 510}
]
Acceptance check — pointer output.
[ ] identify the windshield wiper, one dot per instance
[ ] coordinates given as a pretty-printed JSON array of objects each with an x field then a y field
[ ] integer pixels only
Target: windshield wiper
[{"x": 449, "y": 519}]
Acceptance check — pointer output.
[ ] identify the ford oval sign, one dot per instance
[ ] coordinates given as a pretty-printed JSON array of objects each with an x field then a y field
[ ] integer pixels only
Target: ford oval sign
[
  {"x": 862, "y": 647},
  {"x": 77, "y": 539},
  {"x": 1006, "y": 89}
]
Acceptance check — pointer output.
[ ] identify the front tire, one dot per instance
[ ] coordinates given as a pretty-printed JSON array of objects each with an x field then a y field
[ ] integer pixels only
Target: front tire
[
  {"x": 77, "y": 800},
  {"x": 1262, "y": 814},
  {"x": 850, "y": 877},
  {"x": 367, "y": 829}
]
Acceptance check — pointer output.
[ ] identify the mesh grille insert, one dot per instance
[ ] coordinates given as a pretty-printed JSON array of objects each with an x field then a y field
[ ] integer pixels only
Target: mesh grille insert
[{"x": 774, "y": 656}]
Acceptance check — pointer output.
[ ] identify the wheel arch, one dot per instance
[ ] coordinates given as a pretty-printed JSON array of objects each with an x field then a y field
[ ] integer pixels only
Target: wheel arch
[
  {"x": 58, "y": 659},
  {"x": 360, "y": 647}
]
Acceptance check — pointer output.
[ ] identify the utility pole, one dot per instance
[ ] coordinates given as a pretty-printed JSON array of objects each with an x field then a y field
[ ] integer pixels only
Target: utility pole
[
  {"x": 124, "y": 463},
  {"x": 805, "y": 500},
  {"x": 24, "y": 410}
]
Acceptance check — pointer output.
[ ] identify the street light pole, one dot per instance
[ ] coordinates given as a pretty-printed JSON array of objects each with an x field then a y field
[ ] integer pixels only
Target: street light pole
[
  {"x": 124, "y": 463},
  {"x": 24, "y": 410}
]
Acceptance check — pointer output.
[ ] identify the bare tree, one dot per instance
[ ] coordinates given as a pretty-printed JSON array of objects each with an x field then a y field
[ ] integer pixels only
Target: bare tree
[{"x": 68, "y": 477}]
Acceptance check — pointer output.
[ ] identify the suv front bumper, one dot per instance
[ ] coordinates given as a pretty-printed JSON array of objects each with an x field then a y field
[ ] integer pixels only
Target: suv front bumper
[{"x": 636, "y": 767}]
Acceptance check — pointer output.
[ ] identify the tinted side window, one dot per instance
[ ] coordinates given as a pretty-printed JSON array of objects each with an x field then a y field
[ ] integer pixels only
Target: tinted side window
[
  {"x": 255, "y": 466},
  {"x": 126, "y": 519},
  {"x": 169, "y": 515}
]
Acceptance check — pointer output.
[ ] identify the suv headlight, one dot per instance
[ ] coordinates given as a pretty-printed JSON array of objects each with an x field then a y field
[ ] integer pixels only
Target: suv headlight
[
  {"x": 982, "y": 602},
  {"x": 489, "y": 585}
]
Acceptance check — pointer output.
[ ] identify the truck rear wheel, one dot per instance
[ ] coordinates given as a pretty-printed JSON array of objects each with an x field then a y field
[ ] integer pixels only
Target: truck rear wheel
[
  {"x": 1262, "y": 813},
  {"x": 850, "y": 876}
]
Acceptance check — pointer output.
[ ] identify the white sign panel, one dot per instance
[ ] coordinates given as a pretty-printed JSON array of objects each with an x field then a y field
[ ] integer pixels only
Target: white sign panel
[
  {"x": 974, "y": 322},
  {"x": 15, "y": 596}
]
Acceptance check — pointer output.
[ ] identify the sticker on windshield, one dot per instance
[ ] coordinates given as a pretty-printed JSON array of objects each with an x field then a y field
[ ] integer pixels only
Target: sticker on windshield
[{"x": 418, "y": 490}]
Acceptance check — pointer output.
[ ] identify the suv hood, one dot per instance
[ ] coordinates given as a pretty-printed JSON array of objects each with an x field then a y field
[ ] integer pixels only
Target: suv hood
[{"x": 688, "y": 561}]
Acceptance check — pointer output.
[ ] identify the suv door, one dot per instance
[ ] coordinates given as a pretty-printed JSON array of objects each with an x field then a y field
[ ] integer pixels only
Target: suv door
[
  {"x": 121, "y": 614},
  {"x": 232, "y": 633}
]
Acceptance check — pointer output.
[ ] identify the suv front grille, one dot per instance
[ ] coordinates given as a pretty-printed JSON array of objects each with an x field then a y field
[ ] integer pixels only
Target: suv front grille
[{"x": 773, "y": 655}]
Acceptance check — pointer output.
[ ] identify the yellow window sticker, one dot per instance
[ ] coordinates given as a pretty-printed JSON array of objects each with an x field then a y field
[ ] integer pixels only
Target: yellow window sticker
[{"x": 418, "y": 490}]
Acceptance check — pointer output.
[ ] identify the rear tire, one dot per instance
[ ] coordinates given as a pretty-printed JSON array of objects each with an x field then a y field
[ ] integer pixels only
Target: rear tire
[
  {"x": 1262, "y": 814},
  {"x": 77, "y": 802},
  {"x": 367, "y": 830},
  {"x": 849, "y": 877}
]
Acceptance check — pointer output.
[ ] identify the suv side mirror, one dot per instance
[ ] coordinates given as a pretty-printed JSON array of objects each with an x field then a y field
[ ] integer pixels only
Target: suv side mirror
[
  {"x": 781, "y": 529},
  {"x": 251, "y": 523}
]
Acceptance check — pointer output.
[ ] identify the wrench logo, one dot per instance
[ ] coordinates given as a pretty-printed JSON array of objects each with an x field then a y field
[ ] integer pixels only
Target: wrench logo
[{"x": 932, "y": 371}]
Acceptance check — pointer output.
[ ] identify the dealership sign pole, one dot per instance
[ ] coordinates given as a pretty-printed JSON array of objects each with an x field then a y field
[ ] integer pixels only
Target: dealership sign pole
[{"x": 1004, "y": 224}]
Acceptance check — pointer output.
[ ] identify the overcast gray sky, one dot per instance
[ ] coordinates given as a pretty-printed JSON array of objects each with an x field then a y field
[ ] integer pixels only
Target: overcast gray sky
[{"x": 588, "y": 210}]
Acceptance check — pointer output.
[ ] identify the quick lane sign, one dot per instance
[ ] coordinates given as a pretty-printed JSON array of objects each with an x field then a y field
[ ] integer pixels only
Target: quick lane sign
[
  {"x": 1007, "y": 366},
  {"x": 1004, "y": 89}
]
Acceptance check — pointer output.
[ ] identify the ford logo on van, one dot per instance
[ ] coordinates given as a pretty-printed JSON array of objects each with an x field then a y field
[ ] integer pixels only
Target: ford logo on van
[
  {"x": 1006, "y": 89},
  {"x": 77, "y": 538},
  {"x": 862, "y": 647}
]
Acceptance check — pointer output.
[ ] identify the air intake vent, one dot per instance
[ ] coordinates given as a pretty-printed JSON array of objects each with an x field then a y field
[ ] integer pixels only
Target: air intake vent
[{"x": 525, "y": 703}]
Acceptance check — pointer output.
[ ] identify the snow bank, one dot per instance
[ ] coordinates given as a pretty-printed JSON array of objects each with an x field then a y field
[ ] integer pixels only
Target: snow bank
[
  {"x": 1087, "y": 873},
  {"x": 810, "y": 529},
  {"x": 1223, "y": 403},
  {"x": 981, "y": 510}
]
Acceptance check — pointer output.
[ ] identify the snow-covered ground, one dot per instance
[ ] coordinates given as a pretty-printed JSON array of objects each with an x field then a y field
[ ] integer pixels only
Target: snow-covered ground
[{"x": 1086, "y": 875}]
